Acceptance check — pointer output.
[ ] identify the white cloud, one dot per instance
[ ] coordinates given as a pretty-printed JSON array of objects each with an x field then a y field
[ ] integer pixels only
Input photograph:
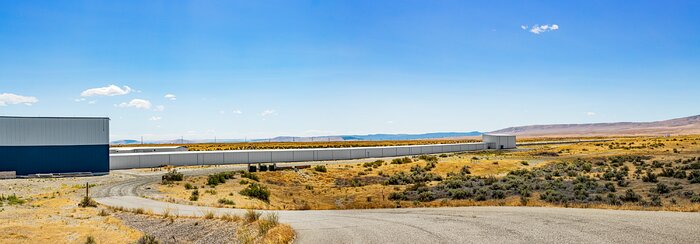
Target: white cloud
[
  {"x": 390, "y": 122},
  {"x": 268, "y": 112},
  {"x": 79, "y": 100},
  {"x": 524, "y": 27},
  {"x": 237, "y": 111},
  {"x": 590, "y": 113},
  {"x": 110, "y": 90},
  {"x": 155, "y": 118},
  {"x": 92, "y": 102},
  {"x": 159, "y": 108},
  {"x": 170, "y": 97},
  {"x": 9, "y": 99},
  {"x": 537, "y": 29},
  {"x": 136, "y": 103}
]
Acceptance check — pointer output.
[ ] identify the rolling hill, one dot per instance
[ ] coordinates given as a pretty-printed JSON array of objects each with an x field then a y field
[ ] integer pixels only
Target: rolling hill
[{"x": 680, "y": 126}]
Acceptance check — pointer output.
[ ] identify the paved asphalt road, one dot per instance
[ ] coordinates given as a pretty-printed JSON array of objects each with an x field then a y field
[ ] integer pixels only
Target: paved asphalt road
[{"x": 449, "y": 225}]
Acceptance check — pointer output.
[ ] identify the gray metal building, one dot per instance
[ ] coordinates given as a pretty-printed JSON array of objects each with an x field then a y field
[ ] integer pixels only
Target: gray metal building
[{"x": 58, "y": 145}]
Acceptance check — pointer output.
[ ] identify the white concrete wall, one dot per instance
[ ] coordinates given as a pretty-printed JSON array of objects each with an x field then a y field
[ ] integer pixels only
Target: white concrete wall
[{"x": 154, "y": 159}]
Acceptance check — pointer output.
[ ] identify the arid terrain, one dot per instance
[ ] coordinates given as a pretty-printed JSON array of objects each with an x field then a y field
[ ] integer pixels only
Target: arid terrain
[
  {"x": 644, "y": 173},
  {"x": 629, "y": 173},
  {"x": 47, "y": 210},
  {"x": 680, "y": 126}
]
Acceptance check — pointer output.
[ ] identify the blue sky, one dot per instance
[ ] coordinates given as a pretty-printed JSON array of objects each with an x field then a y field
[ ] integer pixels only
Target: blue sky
[{"x": 304, "y": 68}]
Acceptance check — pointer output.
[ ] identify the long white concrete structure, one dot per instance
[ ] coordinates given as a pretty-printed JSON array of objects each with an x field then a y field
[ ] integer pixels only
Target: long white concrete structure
[{"x": 188, "y": 158}]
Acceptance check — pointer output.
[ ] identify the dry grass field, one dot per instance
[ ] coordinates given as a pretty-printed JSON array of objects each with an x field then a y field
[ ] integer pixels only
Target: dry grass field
[
  {"x": 47, "y": 211},
  {"x": 650, "y": 173},
  {"x": 337, "y": 144}
]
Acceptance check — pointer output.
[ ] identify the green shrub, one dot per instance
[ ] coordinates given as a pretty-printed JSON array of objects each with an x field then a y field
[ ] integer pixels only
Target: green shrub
[
  {"x": 243, "y": 182},
  {"x": 614, "y": 199},
  {"x": 398, "y": 196},
  {"x": 428, "y": 158},
  {"x": 14, "y": 200},
  {"x": 695, "y": 199},
  {"x": 552, "y": 196},
  {"x": 270, "y": 221},
  {"x": 225, "y": 201},
  {"x": 404, "y": 160},
  {"x": 650, "y": 177},
  {"x": 249, "y": 175},
  {"x": 631, "y": 196},
  {"x": 656, "y": 200},
  {"x": 465, "y": 170},
  {"x": 460, "y": 194},
  {"x": 694, "y": 177},
  {"x": 320, "y": 168},
  {"x": 189, "y": 186},
  {"x": 661, "y": 188},
  {"x": 90, "y": 240},
  {"x": 219, "y": 178},
  {"x": 195, "y": 196},
  {"x": 87, "y": 202},
  {"x": 426, "y": 196},
  {"x": 148, "y": 239},
  {"x": 252, "y": 216},
  {"x": 172, "y": 175},
  {"x": 610, "y": 187},
  {"x": 498, "y": 194},
  {"x": 374, "y": 164},
  {"x": 258, "y": 191}
]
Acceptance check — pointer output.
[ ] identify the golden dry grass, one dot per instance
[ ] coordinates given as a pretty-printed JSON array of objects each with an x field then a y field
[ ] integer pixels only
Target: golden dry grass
[
  {"x": 52, "y": 217},
  {"x": 308, "y": 189}
]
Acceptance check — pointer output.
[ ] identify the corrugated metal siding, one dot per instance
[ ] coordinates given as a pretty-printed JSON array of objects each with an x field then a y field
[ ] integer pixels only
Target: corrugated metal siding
[{"x": 18, "y": 131}]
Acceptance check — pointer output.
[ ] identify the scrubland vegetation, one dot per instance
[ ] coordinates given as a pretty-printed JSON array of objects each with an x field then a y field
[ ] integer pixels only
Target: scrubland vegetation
[{"x": 650, "y": 173}]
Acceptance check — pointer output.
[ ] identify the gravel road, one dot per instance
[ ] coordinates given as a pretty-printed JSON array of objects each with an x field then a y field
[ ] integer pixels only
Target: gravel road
[{"x": 446, "y": 225}]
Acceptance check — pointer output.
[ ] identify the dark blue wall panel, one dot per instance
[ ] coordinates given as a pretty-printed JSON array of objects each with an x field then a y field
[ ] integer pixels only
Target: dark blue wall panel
[{"x": 54, "y": 159}]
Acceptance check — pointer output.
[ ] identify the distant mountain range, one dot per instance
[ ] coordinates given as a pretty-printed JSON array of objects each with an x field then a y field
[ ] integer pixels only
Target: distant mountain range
[
  {"x": 373, "y": 137},
  {"x": 680, "y": 126}
]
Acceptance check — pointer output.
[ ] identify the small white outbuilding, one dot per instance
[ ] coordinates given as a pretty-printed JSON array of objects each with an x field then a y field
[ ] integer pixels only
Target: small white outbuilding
[{"x": 499, "y": 141}]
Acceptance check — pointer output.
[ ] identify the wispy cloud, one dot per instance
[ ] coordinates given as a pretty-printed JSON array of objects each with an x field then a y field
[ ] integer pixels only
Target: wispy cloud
[
  {"x": 110, "y": 90},
  {"x": 10, "y": 99},
  {"x": 136, "y": 103},
  {"x": 268, "y": 112},
  {"x": 155, "y": 118},
  {"x": 159, "y": 108},
  {"x": 170, "y": 97},
  {"x": 237, "y": 111},
  {"x": 590, "y": 113},
  {"x": 537, "y": 29}
]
